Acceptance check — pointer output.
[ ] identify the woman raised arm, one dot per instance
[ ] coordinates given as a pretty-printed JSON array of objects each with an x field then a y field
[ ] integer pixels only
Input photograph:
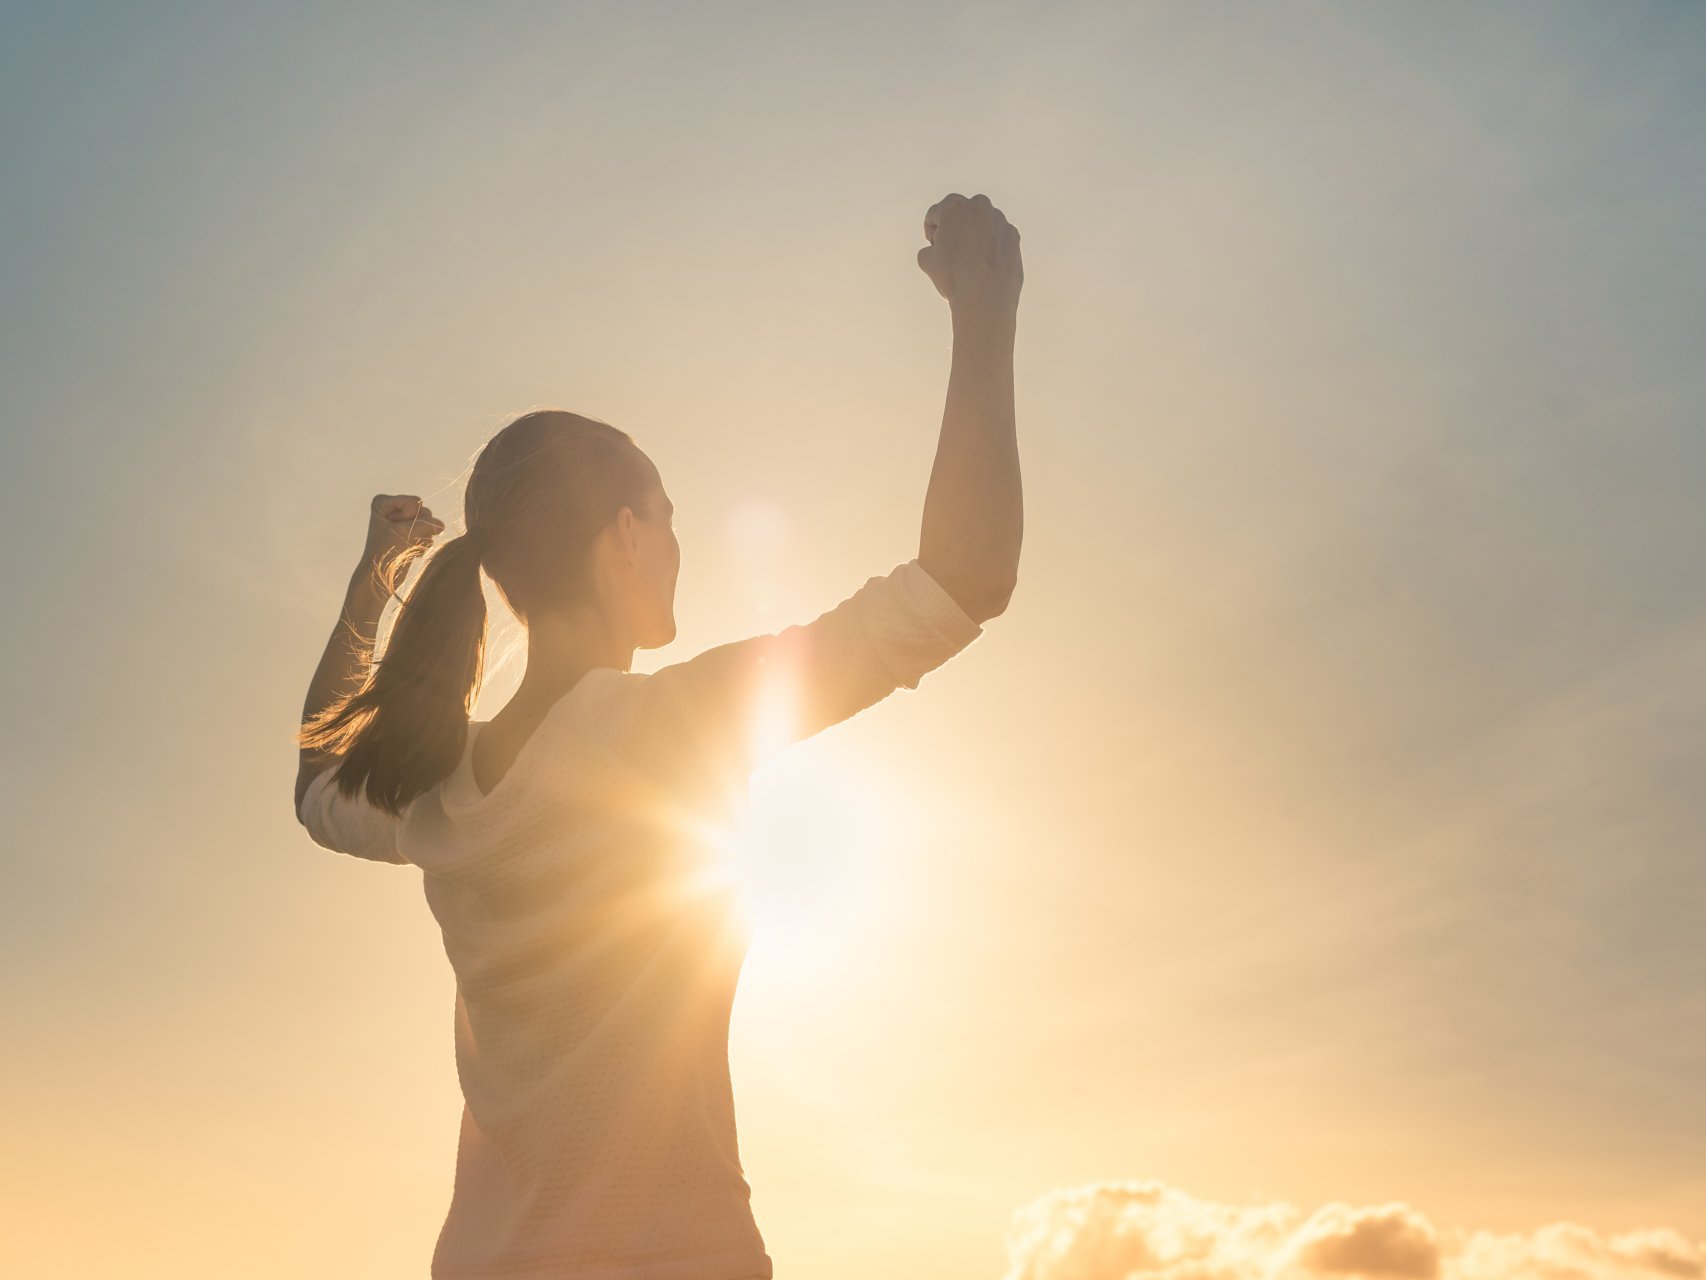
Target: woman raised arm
[
  {"x": 399, "y": 526},
  {"x": 973, "y": 511},
  {"x": 901, "y": 626}
]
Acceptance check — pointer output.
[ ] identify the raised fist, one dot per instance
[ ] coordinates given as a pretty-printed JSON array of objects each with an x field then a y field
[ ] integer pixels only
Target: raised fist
[
  {"x": 973, "y": 254},
  {"x": 399, "y": 528}
]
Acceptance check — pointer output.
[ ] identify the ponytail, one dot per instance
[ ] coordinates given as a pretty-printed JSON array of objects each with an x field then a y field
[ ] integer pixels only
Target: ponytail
[{"x": 403, "y": 731}]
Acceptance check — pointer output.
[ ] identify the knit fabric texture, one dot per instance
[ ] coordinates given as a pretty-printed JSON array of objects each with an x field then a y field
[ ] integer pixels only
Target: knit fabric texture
[{"x": 592, "y": 924}]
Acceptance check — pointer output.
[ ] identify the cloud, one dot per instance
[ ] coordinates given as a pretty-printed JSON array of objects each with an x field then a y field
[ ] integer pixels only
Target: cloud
[
  {"x": 1392, "y": 1240},
  {"x": 1150, "y": 1231}
]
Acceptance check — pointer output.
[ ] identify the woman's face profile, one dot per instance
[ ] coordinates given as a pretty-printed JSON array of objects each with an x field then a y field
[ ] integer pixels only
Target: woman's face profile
[{"x": 657, "y": 564}]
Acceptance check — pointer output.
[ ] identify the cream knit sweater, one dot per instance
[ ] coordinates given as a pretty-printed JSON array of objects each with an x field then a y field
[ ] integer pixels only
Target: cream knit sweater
[{"x": 596, "y": 941}]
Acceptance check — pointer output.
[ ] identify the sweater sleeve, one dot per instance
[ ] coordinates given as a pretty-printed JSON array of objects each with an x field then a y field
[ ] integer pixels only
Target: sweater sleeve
[
  {"x": 348, "y": 824},
  {"x": 720, "y": 714}
]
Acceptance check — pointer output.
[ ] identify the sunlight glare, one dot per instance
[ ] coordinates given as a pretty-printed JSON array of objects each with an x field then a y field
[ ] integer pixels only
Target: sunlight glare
[{"x": 809, "y": 867}]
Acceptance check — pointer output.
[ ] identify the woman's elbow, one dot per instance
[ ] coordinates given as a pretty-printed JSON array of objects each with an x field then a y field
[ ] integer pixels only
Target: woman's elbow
[
  {"x": 981, "y": 588},
  {"x": 990, "y": 599},
  {"x": 309, "y": 766}
]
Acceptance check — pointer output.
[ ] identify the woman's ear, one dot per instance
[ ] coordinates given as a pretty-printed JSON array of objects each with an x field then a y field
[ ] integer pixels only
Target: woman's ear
[{"x": 627, "y": 537}]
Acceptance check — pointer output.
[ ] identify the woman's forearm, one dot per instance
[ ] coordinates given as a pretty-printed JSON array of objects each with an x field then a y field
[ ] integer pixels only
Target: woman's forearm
[
  {"x": 974, "y": 509},
  {"x": 343, "y": 662},
  {"x": 398, "y": 525}
]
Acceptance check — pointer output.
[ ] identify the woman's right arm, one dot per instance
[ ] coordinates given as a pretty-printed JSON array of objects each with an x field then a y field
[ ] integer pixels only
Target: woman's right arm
[
  {"x": 974, "y": 509},
  {"x": 728, "y": 708}
]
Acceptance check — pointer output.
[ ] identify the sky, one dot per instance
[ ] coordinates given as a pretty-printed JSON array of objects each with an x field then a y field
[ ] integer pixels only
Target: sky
[{"x": 1303, "y": 877}]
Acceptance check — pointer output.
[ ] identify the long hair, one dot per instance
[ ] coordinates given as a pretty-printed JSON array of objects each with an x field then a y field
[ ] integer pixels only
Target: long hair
[{"x": 541, "y": 491}]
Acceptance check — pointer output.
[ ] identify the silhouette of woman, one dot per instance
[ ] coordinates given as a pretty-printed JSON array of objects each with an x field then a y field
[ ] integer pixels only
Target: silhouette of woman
[{"x": 569, "y": 845}]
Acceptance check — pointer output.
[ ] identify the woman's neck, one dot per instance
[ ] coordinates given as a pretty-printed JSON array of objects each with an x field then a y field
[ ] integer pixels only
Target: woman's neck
[{"x": 562, "y": 648}]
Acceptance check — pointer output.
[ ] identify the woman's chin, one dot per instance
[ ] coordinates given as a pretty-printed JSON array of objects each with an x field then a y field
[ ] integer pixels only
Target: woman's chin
[{"x": 665, "y": 635}]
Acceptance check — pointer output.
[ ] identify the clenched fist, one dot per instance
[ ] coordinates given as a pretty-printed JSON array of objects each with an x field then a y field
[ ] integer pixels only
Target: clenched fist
[
  {"x": 973, "y": 254},
  {"x": 399, "y": 528}
]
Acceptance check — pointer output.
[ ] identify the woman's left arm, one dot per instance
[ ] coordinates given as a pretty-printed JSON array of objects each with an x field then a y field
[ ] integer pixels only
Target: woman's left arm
[{"x": 398, "y": 528}]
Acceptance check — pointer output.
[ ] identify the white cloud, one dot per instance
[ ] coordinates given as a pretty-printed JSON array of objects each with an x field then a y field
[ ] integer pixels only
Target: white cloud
[{"x": 1146, "y": 1230}]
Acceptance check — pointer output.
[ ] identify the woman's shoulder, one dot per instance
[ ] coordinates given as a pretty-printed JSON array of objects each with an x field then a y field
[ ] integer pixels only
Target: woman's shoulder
[{"x": 584, "y": 717}]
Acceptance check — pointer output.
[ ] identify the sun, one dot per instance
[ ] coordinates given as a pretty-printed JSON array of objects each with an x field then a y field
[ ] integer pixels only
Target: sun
[
  {"x": 810, "y": 858},
  {"x": 807, "y": 863}
]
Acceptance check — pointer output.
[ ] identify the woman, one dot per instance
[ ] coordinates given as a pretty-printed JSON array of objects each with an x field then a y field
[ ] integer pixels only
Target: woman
[{"x": 569, "y": 845}]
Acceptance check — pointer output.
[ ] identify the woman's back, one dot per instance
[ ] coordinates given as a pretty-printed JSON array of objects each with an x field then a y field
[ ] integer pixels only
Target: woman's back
[{"x": 595, "y": 972}]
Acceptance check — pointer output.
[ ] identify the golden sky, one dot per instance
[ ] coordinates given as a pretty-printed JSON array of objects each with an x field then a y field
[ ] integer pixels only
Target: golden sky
[{"x": 1305, "y": 872}]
